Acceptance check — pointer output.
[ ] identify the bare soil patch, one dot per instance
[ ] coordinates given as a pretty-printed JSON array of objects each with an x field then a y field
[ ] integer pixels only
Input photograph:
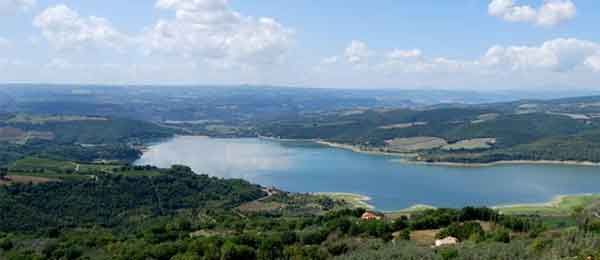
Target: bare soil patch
[{"x": 424, "y": 237}]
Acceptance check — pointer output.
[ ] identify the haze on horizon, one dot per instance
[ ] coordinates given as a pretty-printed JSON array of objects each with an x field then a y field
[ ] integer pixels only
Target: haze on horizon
[{"x": 528, "y": 45}]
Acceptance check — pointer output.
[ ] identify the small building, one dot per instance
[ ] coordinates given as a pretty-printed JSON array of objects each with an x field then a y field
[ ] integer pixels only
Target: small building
[
  {"x": 448, "y": 241},
  {"x": 370, "y": 216}
]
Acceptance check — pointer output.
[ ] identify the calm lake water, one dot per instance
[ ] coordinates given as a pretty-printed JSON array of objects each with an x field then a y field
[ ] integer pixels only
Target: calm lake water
[{"x": 309, "y": 167}]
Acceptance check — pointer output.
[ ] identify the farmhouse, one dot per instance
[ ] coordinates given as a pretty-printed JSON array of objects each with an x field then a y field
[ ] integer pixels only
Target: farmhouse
[
  {"x": 446, "y": 241},
  {"x": 370, "y": 216}
]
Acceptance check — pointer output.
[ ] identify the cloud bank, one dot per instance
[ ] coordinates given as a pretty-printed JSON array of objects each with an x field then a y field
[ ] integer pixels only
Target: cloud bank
[{"x": 550, "y": 13}]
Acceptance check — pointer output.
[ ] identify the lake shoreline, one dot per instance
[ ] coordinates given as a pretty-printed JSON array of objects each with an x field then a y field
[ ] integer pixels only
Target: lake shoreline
[
  {"x": 498, "y": 163},
  {"x": 354, "y": 199},
  {"x": 358, "y": 149},
  {"x": 349, "y": 147},
  {"x": 559, "y": 204},
  {"x": 395, "y": 191}
]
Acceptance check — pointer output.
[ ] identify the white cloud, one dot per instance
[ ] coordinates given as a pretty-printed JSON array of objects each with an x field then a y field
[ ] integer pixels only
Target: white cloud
[
  {"x": 208, "y": 30},
  {"x": 593, "y": 62},
  {"x": 554, "y": 12},
  {"x": 65, "y": 29},
  {"x": 558, "y": 55},
  {"x": 8, "y": 7},
  {"x": 404, "y": 54},
  {"x": 357, "y": 52},
  {"x": 4, "y": 43},
  {"x": 556, "y": 62},
  {"x": 551, "y": 13},
  {"x": 507, "y": 10},
  {"x": 555, "y": 55},
  {"x": 330, "y": 60}
]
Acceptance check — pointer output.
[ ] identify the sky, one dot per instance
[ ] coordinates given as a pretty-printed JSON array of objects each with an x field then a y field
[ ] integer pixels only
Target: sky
[{"x": 427, "y": 44}]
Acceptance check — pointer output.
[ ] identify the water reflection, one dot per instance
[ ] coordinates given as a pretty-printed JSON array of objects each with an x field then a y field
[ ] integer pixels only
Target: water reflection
[
  {"x": 238, "y": 158},
  {"x": 307, "y": 167}
]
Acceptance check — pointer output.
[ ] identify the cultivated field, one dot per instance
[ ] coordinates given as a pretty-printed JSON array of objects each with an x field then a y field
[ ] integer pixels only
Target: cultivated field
[
  {"x": 401, "y": 126},
  {"x": 485, "y": 118},
  {"x": 31, "y": 119},
  {"x": 471, "y": 144},
  {"x": 12, "y": 179},
  {"x": 415, "y": 144},
  {"x": 42, "y": 167},
  {"x": 11, "y": 134},
  {"x": 15, "y": 135}
]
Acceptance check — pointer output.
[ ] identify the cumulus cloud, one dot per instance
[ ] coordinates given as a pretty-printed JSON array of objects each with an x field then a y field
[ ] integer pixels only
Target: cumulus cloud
[
  {"x": 210, "y": 31},
  {"x": 357, "y": 52},
  {"x": 4, "y": 43},
  {"x": 404, "y": 54},
  {"x": 330, "y": 60},
  {"x": 8, "y": 7},
  {"x": 555, "y": 55},
  {"x": 593, "y": 62},
  {"x": 551, "y": 13},
  {"x": 551, "y": 62},
  {"x": 204, "y": 31},
  {"x": 397, "y": 60},
  {"x": 65, "y": 29}
]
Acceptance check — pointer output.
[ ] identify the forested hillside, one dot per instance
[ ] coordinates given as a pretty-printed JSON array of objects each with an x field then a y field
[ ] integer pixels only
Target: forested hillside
[
  {"x": 522, "y": 130},
  {"x": 80, "y": 138}
]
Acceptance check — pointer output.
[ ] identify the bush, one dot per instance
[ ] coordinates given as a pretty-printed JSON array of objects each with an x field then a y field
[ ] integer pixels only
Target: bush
[
  {"x": 6, "y": 244},
  {"x": 338, "y": 248},
  {"x": 404, "y": 234},
  {"x": 540, "y": 244},
  {"x": 73, "y": 253},
  {"x": 399, "y": 224},
  {"x": 463, "y": 231},
  {"x": 289, "y": 237},
  {"x": 232, "y": 251},
  {"x": 448, "y": 253},
  {"x": 314, "y": 237},
  {"x": 501, "y": 235},
  {"x": 186, "y": 256}
]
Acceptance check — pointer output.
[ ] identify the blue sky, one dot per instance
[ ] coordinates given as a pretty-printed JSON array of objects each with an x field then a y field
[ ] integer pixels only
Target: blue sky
[{"x": 459, "y": 44}]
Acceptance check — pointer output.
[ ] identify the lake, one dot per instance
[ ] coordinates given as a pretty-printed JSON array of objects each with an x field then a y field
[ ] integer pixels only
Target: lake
[{"x": 308, "y": 167}]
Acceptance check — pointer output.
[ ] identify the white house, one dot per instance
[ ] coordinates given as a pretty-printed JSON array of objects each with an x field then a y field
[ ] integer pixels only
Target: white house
[{"x": 446, "y": 241}]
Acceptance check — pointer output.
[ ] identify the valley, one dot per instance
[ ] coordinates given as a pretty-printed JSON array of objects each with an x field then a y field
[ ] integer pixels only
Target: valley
[{"x": 103, "y": 183}]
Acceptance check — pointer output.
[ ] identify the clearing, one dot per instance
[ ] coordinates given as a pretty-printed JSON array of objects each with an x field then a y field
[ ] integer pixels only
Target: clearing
[
  {"x": 355, "y": 200},
  {"x": 414, "y": 144},
  {"x": 402, "y": 126},
  {"x": 471, "y": 144},
  {"x": 12, "y": 179},
  {"x": 31, "y": 119}
]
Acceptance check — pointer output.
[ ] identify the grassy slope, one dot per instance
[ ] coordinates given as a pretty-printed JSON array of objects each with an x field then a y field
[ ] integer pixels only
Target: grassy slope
[{"x": 560, "y": 206}]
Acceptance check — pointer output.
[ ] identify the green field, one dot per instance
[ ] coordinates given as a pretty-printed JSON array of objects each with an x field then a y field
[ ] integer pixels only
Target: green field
[
  {"x": 42, "y": 167},
  {"x": 355, "y": 200},
  {"x": 560, "y": 206},
  {"x": 35, "y": 119}
]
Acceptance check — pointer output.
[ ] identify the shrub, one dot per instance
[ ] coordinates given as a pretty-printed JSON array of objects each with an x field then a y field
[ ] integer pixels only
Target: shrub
[
  {"x": 448, "y": 253},
  {"x": 462, "y": 231},
  {"x": 6, "y": 244},
  {"x": 501, "y": 235},
  {"x": 314, "y": 237}
]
